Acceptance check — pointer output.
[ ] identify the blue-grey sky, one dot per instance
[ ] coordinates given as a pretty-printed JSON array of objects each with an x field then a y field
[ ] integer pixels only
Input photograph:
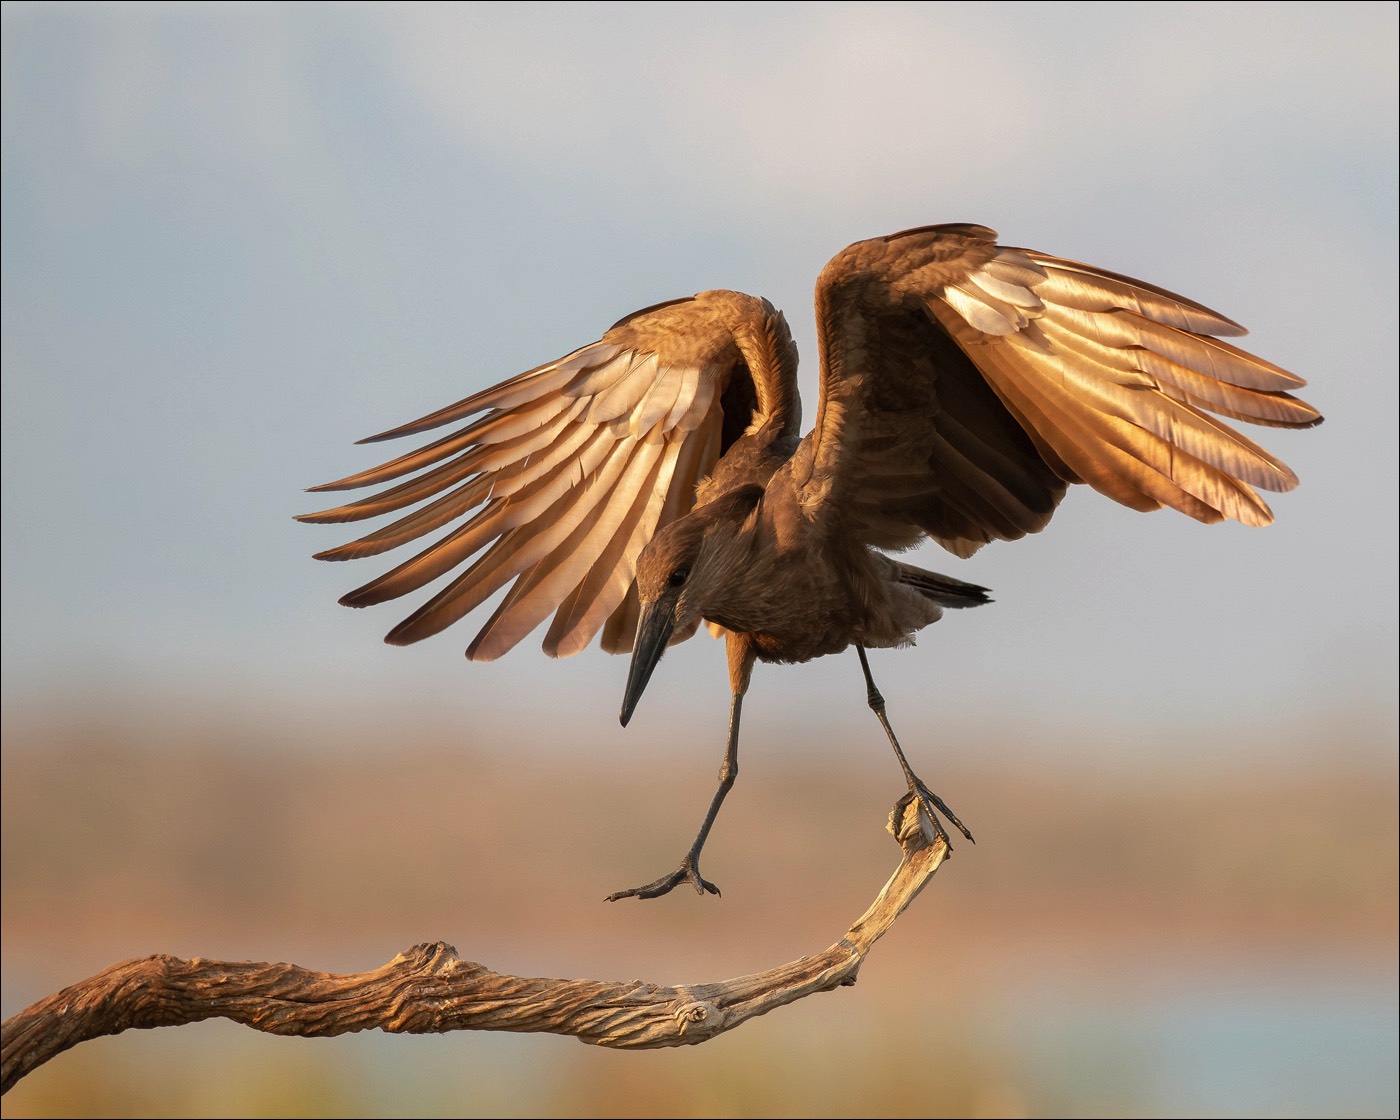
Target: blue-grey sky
[{"x": 238, "y": 237}]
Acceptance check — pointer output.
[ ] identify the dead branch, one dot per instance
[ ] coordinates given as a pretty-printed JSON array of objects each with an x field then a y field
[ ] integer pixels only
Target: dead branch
[{"x": 429, "y": 989}]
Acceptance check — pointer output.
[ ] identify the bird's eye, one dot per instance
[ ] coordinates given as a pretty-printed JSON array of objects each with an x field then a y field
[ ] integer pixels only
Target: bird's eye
[{"x": 679, "y": 576}]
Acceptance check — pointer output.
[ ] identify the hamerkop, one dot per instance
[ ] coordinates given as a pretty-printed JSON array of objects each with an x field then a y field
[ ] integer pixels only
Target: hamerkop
[{"x": 657, "y": 478}]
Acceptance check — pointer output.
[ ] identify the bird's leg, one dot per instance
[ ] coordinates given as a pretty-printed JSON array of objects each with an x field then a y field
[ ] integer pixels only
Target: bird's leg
[
  {"x": 689, "y": 870},
  {"x": 931, "y": 800}
]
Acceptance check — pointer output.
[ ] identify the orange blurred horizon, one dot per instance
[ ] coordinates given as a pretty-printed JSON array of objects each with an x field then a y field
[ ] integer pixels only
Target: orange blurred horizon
[{"x": 125, "y": 836}]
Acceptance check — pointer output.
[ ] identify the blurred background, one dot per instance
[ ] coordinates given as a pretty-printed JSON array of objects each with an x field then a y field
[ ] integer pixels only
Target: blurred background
[{"x": 239, "y": 237}]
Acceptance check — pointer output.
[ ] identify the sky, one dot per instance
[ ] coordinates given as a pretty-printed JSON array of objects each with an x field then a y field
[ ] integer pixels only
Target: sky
[{"x": 236, "y": 238}]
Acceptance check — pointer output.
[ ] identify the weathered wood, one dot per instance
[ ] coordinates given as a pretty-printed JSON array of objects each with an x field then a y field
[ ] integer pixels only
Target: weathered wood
[{"x": 429, "y": 989}]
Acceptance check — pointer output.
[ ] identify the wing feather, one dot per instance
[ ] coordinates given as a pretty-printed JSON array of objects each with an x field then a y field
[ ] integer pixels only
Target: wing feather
[
  {"x": 626, "y": 393},
  {"x": 1139, "y": 401},
  {"x": 534, "y": 484},
  {"x": 1258, "y": 406},
  {"x": 562, "y": 562},
  {"x": 1071, "y": 284},
  {"x": 563, "y": 473},
  {"x": 511, "y": 553},
  {"x": 596, "y": 595},
  {"x": 1095, "y": 377},
  {"x": 522, "y": 391},
  {"x": 552, "y": 495},
  {"x": 1096, "y": 449},
  {"x": 495, "y": 462}
]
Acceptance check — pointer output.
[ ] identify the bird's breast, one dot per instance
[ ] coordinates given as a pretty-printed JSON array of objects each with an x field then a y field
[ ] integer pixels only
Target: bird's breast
[{"x": 794, "y": 610}]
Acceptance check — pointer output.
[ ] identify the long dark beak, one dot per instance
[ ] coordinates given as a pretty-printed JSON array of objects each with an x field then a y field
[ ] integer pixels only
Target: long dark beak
[{"x": 653, "y": 632}]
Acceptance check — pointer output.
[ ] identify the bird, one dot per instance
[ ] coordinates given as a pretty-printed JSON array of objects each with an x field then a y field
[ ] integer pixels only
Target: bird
[{"x": 657, "y": 480}]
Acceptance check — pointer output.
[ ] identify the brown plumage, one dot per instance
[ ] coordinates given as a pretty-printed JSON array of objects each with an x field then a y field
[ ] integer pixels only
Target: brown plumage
[{"x": 655, "y": 479}]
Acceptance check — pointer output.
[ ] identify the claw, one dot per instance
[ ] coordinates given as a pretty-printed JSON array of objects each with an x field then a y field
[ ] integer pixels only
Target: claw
[
  {"x": 931, "y": 802},
  {"x": 688, "y": 871}
]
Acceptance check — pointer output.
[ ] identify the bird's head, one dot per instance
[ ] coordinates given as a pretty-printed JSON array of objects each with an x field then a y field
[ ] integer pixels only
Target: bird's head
[{"x": 681, "y": 576}]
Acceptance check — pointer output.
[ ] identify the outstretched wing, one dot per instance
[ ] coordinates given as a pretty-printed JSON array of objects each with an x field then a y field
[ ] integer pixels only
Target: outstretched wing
[
  {"x": 964, "y": 384},
  {"x": 570, "y": 471}
]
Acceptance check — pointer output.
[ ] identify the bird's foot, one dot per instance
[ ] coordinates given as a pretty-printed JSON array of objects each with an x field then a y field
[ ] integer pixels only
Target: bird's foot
[
  {"x": 688, "y": 871},
  {"x": 934, "y": 805}
]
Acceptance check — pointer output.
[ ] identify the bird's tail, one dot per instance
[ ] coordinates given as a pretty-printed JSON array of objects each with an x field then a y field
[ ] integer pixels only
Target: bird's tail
[{"x": 943, "y": 590}]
